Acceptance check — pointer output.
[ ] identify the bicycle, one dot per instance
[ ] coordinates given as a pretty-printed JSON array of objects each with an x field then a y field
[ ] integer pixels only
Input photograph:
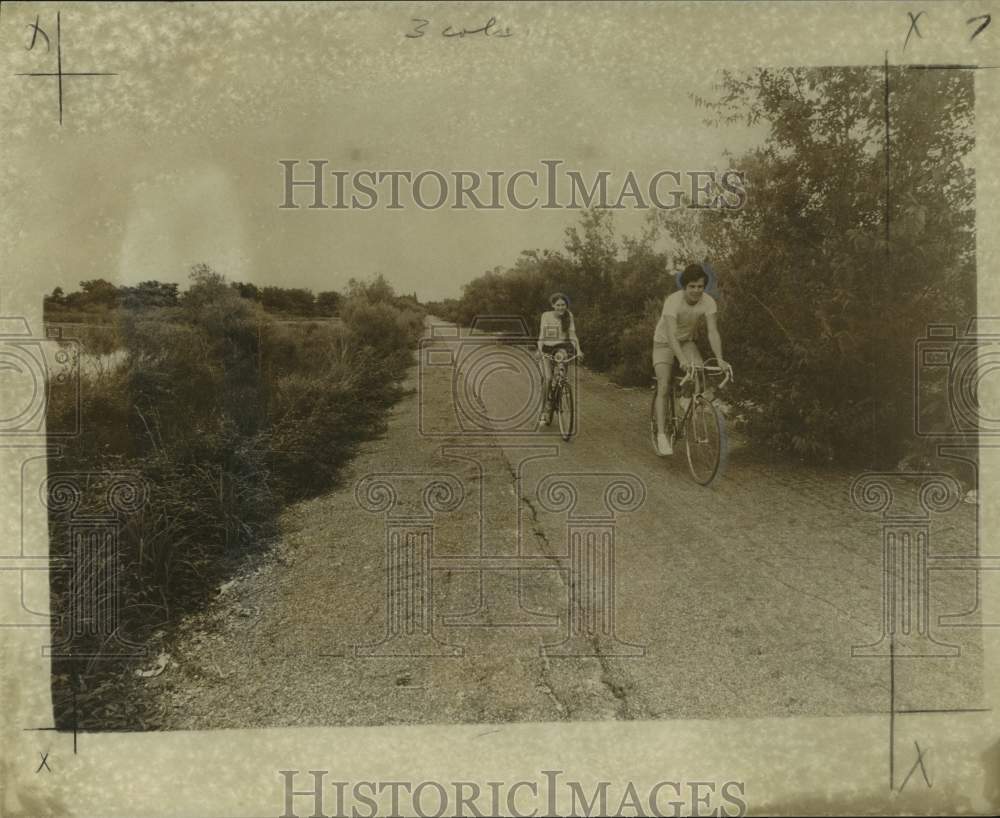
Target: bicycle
[
  {"x": 695, "y": 418},
  {"x": 560, "y": 397}
]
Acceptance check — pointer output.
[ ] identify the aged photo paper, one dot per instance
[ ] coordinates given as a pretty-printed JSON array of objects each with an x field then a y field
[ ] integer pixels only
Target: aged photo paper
[{"x": 499, "y": 409}]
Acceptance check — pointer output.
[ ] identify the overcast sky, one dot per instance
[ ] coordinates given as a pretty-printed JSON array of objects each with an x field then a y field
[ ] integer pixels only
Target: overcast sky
[{"x": 175, "y": 160}]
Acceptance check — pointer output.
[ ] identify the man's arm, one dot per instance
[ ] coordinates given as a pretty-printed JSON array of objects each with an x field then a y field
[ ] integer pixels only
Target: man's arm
[{"x": 714, "y": 339}]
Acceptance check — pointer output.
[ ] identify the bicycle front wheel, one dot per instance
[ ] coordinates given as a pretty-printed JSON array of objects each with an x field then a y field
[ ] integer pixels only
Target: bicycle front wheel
[
  {"x": 566, "y": 412},
  {"x": 705, "y": 441},
  {"x": 652, "y": 423}
]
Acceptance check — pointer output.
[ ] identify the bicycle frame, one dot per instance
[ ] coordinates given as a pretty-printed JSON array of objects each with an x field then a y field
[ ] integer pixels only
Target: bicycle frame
[
  {"x": 561, "y": 392},
  {"x": 559, "y": 362},
  {"x": 696, "y": 373}
]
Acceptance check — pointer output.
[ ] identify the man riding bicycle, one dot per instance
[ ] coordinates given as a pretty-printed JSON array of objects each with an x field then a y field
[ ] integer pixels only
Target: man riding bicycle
[{"x": 682, "y": 313}]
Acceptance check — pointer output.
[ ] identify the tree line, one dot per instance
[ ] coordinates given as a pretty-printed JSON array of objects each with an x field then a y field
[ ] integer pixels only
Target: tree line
[
  {"x": 852, "y": 242},
  {"x": 96, "y": 298}
]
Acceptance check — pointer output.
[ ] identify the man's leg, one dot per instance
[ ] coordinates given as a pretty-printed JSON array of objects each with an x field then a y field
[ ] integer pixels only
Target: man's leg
[
  {"x": 663, "y": 363},
  {"x": 694, "y": 354},
  {"x": 662, "y": 386}
]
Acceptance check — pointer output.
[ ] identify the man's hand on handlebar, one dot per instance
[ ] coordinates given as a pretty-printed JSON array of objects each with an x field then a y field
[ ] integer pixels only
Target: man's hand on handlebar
[{"x": 727, "y": 369}]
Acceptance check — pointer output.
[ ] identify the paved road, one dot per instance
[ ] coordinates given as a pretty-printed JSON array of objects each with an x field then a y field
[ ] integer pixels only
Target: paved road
[{"x": 742, "y": 600}]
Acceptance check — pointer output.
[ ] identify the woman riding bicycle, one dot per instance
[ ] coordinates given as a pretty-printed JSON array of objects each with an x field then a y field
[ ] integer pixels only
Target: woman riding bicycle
[
  {"x": 557, "y": 330},
  {"x": 682, "y": 311}
]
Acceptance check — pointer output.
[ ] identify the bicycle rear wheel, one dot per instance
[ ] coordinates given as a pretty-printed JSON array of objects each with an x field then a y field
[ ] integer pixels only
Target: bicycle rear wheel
[
  {"x": 705, "y": 441},
  {"x": 565, "y": 409}
]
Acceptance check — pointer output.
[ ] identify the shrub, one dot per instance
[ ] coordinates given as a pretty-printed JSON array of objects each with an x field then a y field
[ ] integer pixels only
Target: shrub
[
  {"x": 316, "y": 425},
  {"x": 635, "y": 367},
  {"x": 381, "y": 329}
]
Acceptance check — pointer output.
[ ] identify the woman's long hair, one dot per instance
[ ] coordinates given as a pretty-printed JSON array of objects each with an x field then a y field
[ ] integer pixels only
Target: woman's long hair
[{"x": 567, "y": 316}]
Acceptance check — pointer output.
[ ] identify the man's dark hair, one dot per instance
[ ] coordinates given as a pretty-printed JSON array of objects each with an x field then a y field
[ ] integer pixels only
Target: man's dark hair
[{"x": 693, "y": 272}]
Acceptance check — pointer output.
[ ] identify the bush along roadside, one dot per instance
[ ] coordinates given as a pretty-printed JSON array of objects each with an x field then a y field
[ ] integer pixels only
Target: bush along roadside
[
  {"x": 215, "y": 417},
  {"x": 826, "y": 288}
]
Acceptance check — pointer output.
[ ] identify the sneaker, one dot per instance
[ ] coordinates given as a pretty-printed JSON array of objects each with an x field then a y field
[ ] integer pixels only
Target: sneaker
[
  {"x": 663, "y": 444},
  {"x": 544, "y": 420}
]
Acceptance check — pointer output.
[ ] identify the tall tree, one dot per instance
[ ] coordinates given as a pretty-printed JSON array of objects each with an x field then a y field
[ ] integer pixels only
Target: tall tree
[{"x": 831, "y": 275}]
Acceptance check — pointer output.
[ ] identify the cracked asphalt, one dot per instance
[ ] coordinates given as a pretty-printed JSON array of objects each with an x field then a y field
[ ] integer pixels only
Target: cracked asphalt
[{"x": 739, "y": 600}]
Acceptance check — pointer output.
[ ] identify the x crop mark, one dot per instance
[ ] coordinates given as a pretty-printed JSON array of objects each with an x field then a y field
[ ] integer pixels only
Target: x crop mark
[
  {"x": 913, "y": 27},
  {"x": 918, "y": 763}
]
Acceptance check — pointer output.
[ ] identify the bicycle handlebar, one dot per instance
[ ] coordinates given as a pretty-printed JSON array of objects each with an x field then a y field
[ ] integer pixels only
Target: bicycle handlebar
[
  {"x": 715, "y": 370},
  {"x": 553, "y": 357}
]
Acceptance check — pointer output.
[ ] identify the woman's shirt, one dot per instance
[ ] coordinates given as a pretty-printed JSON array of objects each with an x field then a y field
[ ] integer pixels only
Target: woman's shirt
[{"x": 550, "y": 329}]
